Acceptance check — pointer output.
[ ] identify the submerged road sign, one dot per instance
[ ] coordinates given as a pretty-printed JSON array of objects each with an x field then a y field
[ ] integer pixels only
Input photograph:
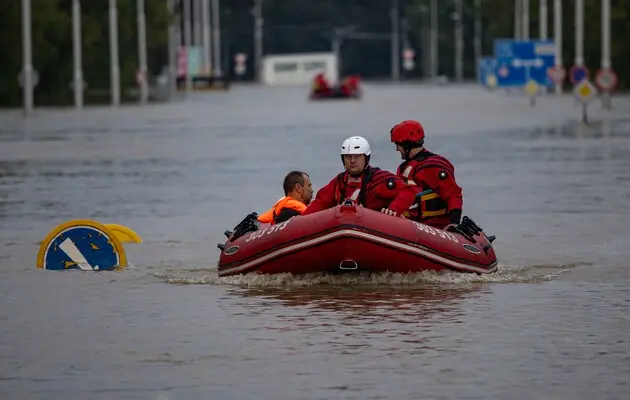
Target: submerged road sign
[
  {"x": 606, "y": 79},
  {"x": 86, "y": 245},
  {"x": 487, "y": 72},
  {"x": 519, "y": 61},
  {"x": 557, "y": 74},
  {"x": 578, "y": 73}
]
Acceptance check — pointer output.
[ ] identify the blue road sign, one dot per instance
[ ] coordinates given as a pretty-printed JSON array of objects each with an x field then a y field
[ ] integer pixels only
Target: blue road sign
[
  {"x": 518, "y": 61},
  {"x": 487, "y": 67},
  {"x": 85, "y": 245},
  {"x": 577, "y": 74}
]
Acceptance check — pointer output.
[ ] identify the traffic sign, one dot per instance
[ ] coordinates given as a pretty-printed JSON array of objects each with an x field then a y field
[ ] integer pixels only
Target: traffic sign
[
  {"x": 491, "y": 81},
  {"x": 532, "y": 88},
  {"x": 487, "y": 67},
  {"x": 141, "y": 77},
  {"x": 239, "y": 60},
  {"x": 585, "y": 91},
  {"x": 578, "y": 74},
  {"x": 519, "y": 61},
  {"x": 606, "y": 79},
  {"x": 34, "y": 77},
  {"x": 557, "y": 74},
  {"x": 85, "y": 245}
]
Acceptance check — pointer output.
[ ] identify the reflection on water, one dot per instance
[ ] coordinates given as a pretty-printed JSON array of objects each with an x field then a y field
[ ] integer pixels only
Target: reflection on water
[{"x": 369, "y": 305}]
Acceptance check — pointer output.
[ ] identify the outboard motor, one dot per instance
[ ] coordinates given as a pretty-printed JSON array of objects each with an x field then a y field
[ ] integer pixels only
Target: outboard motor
[
  {"x": 469, "y": 229},
  {"x": 248, "y": 224}
]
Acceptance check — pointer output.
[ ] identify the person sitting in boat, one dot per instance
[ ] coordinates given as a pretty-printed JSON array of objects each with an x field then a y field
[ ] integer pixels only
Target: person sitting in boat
[
  {"x": 321, "y": 85},
  {"x": 298, "y": 192},
  {"x": 350, "y": 85},
  {"x": 370, "y": 187},
  {"x": 440, "y": 196}
]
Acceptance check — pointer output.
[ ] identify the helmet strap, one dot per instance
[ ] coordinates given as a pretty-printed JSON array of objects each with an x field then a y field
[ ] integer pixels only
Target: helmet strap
[{"x": 409, "y": 146}]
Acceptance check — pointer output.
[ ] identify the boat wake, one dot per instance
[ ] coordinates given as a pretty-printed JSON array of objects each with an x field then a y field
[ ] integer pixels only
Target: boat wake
[{"x": 505, "y": 274}]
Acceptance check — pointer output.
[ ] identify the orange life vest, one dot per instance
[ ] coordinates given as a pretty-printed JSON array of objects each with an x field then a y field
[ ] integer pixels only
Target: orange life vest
[{"x": 270, "y": 215}]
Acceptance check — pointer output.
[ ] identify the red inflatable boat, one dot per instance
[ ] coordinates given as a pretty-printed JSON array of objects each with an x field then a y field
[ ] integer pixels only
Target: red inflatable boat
[{"x": 348, "y": 238}]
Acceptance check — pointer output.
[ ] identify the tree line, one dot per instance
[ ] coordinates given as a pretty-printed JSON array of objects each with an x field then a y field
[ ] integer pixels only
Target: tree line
[{"x": 289, "y": 26}]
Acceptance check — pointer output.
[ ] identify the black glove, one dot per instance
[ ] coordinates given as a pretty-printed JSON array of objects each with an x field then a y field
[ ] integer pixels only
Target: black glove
[{"x": 455, "y": 216}]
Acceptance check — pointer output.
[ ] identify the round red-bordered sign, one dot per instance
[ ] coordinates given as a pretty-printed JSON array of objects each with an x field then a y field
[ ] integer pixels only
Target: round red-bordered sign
[
  {"x": 557, "y": 74},
  {"x": 140, "y": 77},
  {"x": 606, "y": 79}
]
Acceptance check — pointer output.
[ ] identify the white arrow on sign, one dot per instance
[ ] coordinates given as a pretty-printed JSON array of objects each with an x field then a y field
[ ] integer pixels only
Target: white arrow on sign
[{"x": 75, "y": 255}]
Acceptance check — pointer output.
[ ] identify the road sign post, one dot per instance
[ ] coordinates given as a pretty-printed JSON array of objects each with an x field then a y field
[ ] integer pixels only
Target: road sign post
[
  {"x": 532, "y": 88},
  {"x": 606, "y": 80},
  {"x": 584, "y": 91}
]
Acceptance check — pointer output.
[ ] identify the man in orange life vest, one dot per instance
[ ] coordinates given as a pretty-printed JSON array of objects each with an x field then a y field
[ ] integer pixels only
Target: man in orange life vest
[
  {"x": 298, "y": 192},
  {"x": 441, "y": 197},
  {"x": 370, "y": 187}
]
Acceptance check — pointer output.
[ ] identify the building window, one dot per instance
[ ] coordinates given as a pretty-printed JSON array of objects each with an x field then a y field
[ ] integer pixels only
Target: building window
[
  {"x": 285, "y": 67},
  {"x": 313, "y": 65}
]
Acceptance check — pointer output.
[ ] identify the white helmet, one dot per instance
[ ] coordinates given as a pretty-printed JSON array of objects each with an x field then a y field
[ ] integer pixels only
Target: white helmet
[{"x": 355, "y": 145}]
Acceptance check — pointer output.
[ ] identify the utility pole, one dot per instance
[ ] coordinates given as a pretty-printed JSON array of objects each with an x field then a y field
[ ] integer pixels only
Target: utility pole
[
  {"x": 216, "y": 36},
  {"x": 187, "y": 44},
  {"x": 27, "y": 57},
  {"x": 196, "y": 16},
  {"x": 336, "y": 48},
  {"x": 557, "y": 31},
  {"x": 173, "y": 43},
  {"x": 518, "y": 10},
  {"x": 579, "y": 33},
  {"x": 113, "y": 49},
  {"x": 395, "y": 38},
  {"x": 77, "y": 53},
  {"x": 478, "y": 37},
  {"x": 606, "y": 62},
  {"x": 543, "y": 20},
  {"x": 258, "y": 39},
  {"x": 433, "y": 9},
  {"x": 205, "y": 25},
  {"x": 142, "y": 54},
  {"x": 525, "y": 27},
  {"x": 459, "y": 42}
]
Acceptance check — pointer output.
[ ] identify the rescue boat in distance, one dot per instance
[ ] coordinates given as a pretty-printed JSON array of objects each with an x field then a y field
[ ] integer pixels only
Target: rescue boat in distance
[{"x": 348, "y": 238}]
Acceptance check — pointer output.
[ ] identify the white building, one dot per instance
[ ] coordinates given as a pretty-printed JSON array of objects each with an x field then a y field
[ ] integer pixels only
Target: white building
[{"x": 298, "y": 69}]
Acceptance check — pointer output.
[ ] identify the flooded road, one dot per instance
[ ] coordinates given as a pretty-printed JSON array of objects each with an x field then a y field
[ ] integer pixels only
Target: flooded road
[{"x": 552, "y": 323}]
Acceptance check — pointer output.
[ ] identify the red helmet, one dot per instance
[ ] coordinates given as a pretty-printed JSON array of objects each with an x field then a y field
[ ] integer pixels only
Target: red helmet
[{"x": 407, "y": 131}]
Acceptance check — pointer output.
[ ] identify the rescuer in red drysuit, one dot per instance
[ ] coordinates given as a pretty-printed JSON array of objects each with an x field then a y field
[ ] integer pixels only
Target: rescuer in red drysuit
[
  {"x": 370, "y": 187},
  {"x": 440, "y": 196}
]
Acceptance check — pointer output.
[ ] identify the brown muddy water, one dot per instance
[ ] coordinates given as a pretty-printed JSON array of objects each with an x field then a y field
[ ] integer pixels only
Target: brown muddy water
[{"x": 552, "y": 323}]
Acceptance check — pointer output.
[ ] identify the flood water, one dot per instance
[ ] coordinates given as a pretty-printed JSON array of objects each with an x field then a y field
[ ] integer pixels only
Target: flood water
[{"x": 552, "y": 323}]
